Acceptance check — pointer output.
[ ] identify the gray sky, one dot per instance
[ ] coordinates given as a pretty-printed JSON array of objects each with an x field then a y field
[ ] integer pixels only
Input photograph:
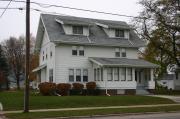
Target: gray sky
[{"x": 13, "y": 21}]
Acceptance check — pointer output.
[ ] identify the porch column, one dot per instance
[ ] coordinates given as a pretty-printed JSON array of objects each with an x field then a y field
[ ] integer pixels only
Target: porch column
[
  {"x": 152, "y": 74},
  {"x": 133, "y": 74}
]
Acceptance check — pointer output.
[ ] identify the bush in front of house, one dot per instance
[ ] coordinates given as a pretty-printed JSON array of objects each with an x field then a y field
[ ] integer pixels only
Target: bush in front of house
[
  {"x": 91, "y": 88},
  {"x": 77, "y": 89},
  {"x": 47, "y": 88},
  {"x": 63, "y": 88}
]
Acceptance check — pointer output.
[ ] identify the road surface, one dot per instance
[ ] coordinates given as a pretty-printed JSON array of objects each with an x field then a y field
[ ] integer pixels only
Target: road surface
[{"x": 144, "y": 116}]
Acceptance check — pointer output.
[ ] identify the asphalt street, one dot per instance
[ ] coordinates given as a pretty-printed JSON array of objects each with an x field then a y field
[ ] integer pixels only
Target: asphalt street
[{"x": 144, "y": 116}]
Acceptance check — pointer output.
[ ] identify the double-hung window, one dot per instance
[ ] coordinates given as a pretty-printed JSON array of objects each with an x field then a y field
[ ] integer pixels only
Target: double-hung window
[
  {"x": 117, "y": 52},
  {"x": 116, "y": 74},
  {"x": 81, "y": 51},
  {"x": 109, "y": 74},
  {"x": 50, "y": 75},
  {"x": 129, "y": 73},
  {"x": 77, "y": 30},
  {"x": 123, "y": 52},
  {"x": 71, "y": 75},
  {"x": 123, "y": 74},
  {"x": 85, "y": 75},
  {"x": 74, "y": 51},
  {"x": 78, "y": 75}
]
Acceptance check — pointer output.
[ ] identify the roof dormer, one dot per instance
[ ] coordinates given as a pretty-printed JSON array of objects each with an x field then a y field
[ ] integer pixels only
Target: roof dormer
[
  {"x": 74, "y": 27},
  {"x": 115, "y": 31}
]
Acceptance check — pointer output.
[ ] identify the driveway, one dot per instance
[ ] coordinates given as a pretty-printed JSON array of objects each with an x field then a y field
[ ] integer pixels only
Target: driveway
[
  {"x": 174, "y": 98},
  {"x": 143, "y": 116}
]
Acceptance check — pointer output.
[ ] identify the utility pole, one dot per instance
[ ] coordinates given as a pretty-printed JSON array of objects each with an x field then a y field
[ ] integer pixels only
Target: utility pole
[{"x": 26, "y": 91}]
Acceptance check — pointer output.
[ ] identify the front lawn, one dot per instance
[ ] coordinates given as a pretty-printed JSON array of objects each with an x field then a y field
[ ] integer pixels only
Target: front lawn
[{"x": 14, "y": 101}]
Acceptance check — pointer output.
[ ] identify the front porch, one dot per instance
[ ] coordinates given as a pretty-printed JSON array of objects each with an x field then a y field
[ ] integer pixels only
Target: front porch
[{"x": 117, "y": 73}]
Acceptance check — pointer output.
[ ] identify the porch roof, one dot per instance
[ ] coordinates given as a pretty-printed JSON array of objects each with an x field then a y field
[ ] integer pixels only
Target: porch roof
[
  {"x": 39, "y": 68},
  {"x": 123, "y": 62}
]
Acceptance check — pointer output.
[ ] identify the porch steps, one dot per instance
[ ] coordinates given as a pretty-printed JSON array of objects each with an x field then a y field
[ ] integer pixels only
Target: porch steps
[{"x": 142, "y": 92}]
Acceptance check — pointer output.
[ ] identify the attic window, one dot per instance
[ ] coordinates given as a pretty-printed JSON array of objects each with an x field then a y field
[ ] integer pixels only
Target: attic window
[
  {"x": 77, "y": 29},
  {"x": 119, "y": 33}
]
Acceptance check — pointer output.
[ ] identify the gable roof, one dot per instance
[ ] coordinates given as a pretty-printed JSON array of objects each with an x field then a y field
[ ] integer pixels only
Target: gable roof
[{"x": 97, "y": 36}]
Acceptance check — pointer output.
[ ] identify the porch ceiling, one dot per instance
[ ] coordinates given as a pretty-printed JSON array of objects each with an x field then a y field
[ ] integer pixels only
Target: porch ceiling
[{"x": 123, "y": 62}]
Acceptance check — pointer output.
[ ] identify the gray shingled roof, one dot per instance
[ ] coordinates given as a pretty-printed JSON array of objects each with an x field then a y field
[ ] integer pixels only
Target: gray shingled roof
[
  {"x": 123, "y": 62},
  {"x": 97, "y": 35}
]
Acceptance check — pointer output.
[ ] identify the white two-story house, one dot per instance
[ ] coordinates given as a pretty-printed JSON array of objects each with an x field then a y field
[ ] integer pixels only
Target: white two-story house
[{"x": 73, "y": 49}]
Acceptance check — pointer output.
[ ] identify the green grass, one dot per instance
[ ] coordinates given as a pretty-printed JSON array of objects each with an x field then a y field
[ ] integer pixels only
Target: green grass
[
  {"x": 14, "y": 101},
  {"x": 37, "y": 115}
]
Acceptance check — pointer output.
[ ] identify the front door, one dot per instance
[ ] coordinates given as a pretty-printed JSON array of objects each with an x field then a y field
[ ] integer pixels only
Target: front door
[{"x": 138, "y": 78}]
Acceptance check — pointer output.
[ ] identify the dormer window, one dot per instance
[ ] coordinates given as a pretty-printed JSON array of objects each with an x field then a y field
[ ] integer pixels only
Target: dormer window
[
  {"x": 119, "y": 33},
  {"x": 77, "y": 30}
]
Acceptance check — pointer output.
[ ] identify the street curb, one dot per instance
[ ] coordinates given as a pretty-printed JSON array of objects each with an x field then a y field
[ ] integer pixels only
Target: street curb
[
  {"x": 124, "y": 114},
  {"x": 108, "y": 115}
]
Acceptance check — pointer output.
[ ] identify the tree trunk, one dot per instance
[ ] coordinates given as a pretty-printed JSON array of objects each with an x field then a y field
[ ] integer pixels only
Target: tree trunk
[
  {"x": 7, "y": 84},
  {"x": 18, "y": 82}
]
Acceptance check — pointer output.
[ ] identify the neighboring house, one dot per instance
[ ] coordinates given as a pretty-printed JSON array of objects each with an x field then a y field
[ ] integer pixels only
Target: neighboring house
[
  {"x": 171, "y": 81},
  {"x": 74, "y": 49}
]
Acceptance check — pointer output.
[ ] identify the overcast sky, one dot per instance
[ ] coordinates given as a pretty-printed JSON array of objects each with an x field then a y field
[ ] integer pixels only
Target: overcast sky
[{"x": 13, "y": 21}]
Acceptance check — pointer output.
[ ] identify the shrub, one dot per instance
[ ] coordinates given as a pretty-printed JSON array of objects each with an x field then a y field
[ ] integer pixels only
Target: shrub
[
  {"x": 78, "y": 86},
  {"x": 63, "y": 88},
  {"x": 47, "y": 88},
  {"x": 91, "y": 86},
  {"x": 77, "y": 89}
]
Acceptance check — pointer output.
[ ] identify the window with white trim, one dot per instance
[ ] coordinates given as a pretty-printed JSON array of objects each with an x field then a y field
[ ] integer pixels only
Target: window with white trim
[
  {"x": 71, "y": 75},
  {"x": 129, "y": 73},
  {"x": 123, "y": 74},
  {"x": 81, "y": 51},
  {"x": 94, "y": 74},
  {"x": 117, "y": 52},
  {"x": 123, "y": 52},
  {"x": 78, "y": 75},
  {"x": 116, "y": 74},
  {"x": 50, "y": 75},
  {"x": 77, "y": 30},
  {"x": 74, "y": 50},
  {"x": 98, "y": 74},
  {"x": 85, "y": 75},
  {"x": 109, "y": 74},
  {"x": 101, "y": 74},
  {"x": 119, "y": 33}
]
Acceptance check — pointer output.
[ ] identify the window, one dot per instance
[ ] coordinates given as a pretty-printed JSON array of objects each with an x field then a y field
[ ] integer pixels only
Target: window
[
  {"x": 101, "y": 74},
  {"x": 51, "y": 54},
  {"x": 119, "y": 33},
  {"x": 85, "y": 75},
  {"x": 117, "y": 52},
  {"x": 71, "y": 75},
  {"x": 78, "y": 75},
  {"x": 94, "y": 74},
  {"x": 77, "y": 29},
  {"x": 43, "y": 58},
  {"x": 123, "y": 74},
  {"x": 129, "y": 73},
  {"x": 50, "y": 75},
  {"x": 74, "y": 50},
  {"x": 98, "y": 74},
  {"x": 109, "y": 74},
  {"x": 123, "y": 52},
  {"x": 116, "y": 74},
  {"x": 81, "y": 51}
]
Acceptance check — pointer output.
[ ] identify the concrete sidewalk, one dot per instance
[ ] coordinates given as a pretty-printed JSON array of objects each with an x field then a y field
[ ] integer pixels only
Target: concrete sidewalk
[
  {"x": 174, "y": 98},
  {"x": 91, "y": 108}
]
